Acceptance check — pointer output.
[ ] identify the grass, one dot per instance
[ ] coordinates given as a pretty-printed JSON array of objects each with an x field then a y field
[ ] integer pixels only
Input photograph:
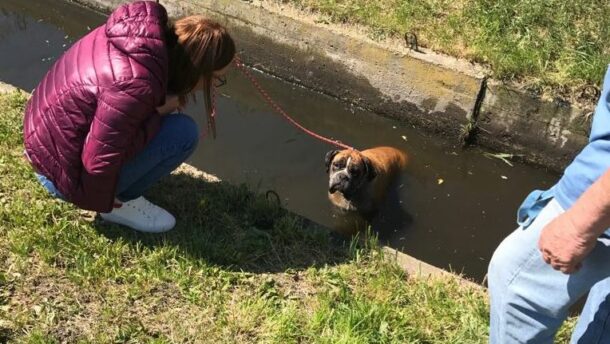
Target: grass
[
  {"x": 236, "y": 269},
  {"x": 549, "y": 46}
]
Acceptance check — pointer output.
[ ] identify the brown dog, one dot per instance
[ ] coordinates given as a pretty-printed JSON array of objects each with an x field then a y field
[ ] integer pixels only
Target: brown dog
[{"x": 358, "y": 181}]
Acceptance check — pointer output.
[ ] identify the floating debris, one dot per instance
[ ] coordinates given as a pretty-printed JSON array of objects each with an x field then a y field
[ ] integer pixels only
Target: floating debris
[
  {"x": 404, "y": 137},
  {"x": 504, "y": 177},
  {"x": 502, "y": 156},
  {"x": 440, "y": 181}
]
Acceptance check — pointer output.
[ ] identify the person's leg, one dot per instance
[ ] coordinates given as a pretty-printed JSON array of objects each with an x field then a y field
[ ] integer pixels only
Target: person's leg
[
  {"x": 175, "y": 142},
  {"x": 49, "y": 186},
  {"x": 529, "y": 299},
  {"x": 594, "y": 323}
]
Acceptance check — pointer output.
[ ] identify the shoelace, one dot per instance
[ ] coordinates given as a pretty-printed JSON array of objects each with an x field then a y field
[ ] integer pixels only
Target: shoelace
[{"x": 143, "y": 207}]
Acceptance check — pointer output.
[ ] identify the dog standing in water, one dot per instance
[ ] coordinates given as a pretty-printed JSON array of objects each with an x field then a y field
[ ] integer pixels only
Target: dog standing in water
[{"x": 359, "y": 180}]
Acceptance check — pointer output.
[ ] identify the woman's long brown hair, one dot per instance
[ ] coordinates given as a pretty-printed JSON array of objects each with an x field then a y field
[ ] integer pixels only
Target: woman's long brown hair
[{"x": 197, "y": 47}]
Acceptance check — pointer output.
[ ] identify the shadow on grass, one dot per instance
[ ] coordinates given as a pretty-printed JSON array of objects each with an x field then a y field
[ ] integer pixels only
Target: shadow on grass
[{"x": 234, "y": 227}]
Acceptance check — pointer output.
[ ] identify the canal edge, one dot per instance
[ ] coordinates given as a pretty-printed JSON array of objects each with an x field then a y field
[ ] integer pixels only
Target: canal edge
[{"x": 427, "y": 90}]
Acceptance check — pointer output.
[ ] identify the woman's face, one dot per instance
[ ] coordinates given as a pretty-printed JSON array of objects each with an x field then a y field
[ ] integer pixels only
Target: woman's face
[{"x": 216, "y": 74}]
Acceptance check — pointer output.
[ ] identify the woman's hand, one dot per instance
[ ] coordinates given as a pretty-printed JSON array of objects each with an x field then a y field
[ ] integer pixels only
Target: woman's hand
[{"x": 172, "y": 104}]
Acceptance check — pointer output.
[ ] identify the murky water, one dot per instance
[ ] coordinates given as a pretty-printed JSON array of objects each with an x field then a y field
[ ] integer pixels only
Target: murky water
[
  {"x": 33, "y": 34},
  {"x": 451, "y": 208}
]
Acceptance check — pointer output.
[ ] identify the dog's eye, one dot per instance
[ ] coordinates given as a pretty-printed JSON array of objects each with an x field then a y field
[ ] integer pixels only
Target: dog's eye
[{"x": 354, "y": 171}]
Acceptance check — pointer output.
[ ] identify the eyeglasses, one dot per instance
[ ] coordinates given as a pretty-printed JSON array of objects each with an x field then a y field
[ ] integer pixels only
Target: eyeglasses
[{"x": 220, "y": 81}]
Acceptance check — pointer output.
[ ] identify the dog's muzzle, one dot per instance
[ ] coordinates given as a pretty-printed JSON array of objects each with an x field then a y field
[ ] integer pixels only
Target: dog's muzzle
[
  {"x": 333, "y": 188},
  {"x": 338, "y": 182}
]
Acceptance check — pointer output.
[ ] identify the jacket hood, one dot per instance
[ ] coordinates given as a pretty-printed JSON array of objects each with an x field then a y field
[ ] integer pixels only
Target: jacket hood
[{"x": 138, "y": 28}]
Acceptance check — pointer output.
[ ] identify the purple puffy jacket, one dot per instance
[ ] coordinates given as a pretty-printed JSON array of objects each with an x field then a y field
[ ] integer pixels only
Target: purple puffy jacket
[{"x": 96, "y": 107}]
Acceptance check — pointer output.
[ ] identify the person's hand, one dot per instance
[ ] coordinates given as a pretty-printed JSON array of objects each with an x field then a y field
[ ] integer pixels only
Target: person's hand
[
  {"x": 563, "y": 245},
  {"x": 172, "y": 104}
]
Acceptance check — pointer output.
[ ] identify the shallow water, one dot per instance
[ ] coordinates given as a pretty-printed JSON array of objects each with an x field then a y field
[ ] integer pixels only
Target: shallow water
[{"x": 451, "y": 208}]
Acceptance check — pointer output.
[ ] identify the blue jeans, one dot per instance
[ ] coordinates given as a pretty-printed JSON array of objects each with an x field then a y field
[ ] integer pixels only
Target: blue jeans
[
  {"x": 530, "y": 300},
  {"x": 174, "y": 143}
]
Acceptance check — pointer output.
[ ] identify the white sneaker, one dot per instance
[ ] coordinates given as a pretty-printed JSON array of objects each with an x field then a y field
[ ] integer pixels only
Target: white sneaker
[{"x": 142, "y": 216}]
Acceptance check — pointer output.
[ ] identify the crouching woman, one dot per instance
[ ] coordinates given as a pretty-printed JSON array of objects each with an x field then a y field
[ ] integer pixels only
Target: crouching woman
[{"x": 101, "y": 126}]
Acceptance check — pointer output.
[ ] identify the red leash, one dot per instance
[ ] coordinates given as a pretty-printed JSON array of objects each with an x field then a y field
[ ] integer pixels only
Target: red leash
[{"x": 242, "y": 68}]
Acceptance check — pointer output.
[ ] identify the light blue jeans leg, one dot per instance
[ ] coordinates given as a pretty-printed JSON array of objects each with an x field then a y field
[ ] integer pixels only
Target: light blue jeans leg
[
  {"x": 47, "y": 184},
  {"x": 529, "y": 299},
  {"x": 594, "y": 323}
]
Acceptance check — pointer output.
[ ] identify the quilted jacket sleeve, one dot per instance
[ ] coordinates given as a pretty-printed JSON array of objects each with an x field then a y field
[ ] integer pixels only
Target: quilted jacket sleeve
[{"x": 125, "y": 120}]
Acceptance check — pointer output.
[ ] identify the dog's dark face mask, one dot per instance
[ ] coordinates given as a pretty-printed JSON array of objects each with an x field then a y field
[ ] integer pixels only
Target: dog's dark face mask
[{"x": 348, "y": 171}]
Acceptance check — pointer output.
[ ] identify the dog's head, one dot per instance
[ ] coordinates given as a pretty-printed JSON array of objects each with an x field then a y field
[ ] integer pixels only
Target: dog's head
[{"x": 348, "y": 171}]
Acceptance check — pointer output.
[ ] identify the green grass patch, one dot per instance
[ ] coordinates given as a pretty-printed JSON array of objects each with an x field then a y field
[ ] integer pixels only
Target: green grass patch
[
  {"x": 547, "y": 45},
  {"x": 236, "y": 269}
]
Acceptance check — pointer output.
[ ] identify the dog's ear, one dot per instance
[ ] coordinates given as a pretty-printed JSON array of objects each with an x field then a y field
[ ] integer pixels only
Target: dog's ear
[
  {"x": 329, "y": 158},
  {"x": 369, "y": 169}
]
